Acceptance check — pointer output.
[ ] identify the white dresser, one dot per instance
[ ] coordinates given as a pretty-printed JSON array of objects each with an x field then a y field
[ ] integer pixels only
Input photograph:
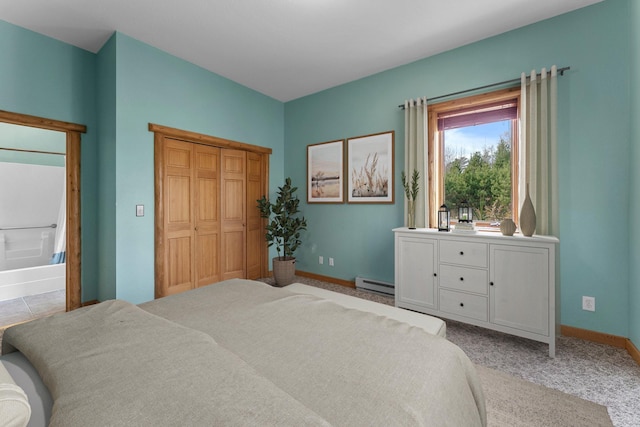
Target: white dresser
[{"x": 505, "y": 283}]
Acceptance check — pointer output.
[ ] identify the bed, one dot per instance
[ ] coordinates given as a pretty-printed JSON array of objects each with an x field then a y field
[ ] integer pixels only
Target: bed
[{"x": 241, "y": 352}]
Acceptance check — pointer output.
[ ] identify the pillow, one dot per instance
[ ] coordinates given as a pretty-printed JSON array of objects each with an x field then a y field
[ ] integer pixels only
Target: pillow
[{"x": 14, "y": 405}]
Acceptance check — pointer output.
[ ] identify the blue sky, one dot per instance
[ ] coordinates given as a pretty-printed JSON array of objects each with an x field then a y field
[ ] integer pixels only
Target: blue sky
[{"x": 468, "y": 140}]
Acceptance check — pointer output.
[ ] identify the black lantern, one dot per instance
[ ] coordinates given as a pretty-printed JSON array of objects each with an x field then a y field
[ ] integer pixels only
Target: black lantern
[
  {"x": 444, "y": 218},
  {"x": 465, "y": 213}
]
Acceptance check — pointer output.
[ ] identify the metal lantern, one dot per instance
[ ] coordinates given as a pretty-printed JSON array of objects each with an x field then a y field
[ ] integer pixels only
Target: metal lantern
[
  {"x": 444, "y": 218},
  {"x": 465, "y": 213}
]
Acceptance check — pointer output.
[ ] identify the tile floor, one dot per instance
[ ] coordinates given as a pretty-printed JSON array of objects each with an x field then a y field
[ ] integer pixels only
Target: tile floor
[{"x": 28, "y": 308}]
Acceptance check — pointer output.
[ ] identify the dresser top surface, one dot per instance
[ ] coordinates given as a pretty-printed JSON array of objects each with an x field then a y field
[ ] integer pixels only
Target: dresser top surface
[{"x": 517, "y": 237}]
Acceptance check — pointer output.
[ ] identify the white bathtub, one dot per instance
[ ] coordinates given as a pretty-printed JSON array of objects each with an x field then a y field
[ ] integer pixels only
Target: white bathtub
[
  {"x": 32, "y": 281},
  {"x": 24, "y": 264}
]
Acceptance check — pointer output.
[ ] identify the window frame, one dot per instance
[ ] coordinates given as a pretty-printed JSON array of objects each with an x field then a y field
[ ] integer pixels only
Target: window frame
[{"x": 435, "y": 146}]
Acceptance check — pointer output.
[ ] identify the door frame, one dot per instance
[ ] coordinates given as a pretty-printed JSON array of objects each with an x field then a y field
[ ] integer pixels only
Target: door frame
[
  {"x": 73, "y": 274},
  {"x": 162, "y": 132}
]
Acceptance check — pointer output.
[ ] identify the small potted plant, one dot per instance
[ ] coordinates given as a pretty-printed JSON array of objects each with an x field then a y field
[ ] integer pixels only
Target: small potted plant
[{"x": 283, "y": 230}]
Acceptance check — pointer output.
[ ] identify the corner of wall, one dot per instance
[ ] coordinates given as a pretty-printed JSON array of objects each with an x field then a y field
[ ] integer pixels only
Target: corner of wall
[
  {"x": 106, "y": 137},
  {"x": 634, "y": 193}
]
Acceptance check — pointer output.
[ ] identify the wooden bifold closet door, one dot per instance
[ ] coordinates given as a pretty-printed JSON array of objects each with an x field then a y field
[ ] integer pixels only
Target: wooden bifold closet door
[{"x": 208, "y": 227}]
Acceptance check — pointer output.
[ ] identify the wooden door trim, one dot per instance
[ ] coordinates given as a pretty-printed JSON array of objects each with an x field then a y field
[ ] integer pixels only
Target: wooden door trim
[
  {"x": 73, "y": 160},
  {"x": 199, "y": 138},
  {"x": 40, "y": 122},
  {"x": 159, "y": 171},
  {"x": 74, "y": 246},
  {"x": 162, "y": 132}
]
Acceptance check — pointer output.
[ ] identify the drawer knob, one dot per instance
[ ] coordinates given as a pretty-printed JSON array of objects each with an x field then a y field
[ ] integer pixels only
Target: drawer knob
[
  {"x": 490, "y": 283},
  {"x": 435, "y": 275},
  {"x": 461, "y": 304},
  {"x": 462, "y": 279},
  {"x": 461, "y": 253}
]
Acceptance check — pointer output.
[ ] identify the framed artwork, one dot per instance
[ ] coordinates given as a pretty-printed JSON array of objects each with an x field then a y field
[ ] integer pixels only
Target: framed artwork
[
  {"x": 325, "y": 171},
  {"x": 370, "y": 168}
]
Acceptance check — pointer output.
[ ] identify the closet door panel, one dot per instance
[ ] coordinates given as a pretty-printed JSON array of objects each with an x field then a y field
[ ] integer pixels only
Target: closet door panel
[
  {"x": 233, "y": 221},
  {"x": 255, "y": 232},
  {"x": 179, "y": 191},
  {"x": 234, "y": 201},
  {"x": 208, "y": 259},
  {"x": 178, "y": 217},
  {"x": 207, "y": 220},
  {"x": 233, "y": 256},
  {"x": 180, "y": 273}
]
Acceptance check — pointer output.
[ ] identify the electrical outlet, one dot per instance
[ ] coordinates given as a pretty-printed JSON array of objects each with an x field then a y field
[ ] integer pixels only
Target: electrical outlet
[
  {"x": 320, "y": 259},
  {"x": 330, "y": 262},
  {"x": 589, "y": 303}
]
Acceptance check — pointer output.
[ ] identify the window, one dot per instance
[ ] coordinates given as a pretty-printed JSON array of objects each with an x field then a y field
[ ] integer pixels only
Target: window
[{"x": 473, "y": 152}]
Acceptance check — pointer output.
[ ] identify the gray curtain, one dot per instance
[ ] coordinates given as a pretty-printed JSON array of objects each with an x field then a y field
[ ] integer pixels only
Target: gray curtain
[
  {"x": 538, "y": 147},
  {"x": 415, "y": 155}
]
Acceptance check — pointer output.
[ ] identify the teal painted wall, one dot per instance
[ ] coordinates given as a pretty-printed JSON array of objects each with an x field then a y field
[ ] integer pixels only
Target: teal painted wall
[
  {"x": 32, "y": 139},
  {"x": 152, "y": 86},
  {"x": 116, "y": 93},
  {"x": 594, "y": 148},
  {"x": 634, "y": 158},
  {"x": 106, "y": 113},
  {"x": 129, "y": 84},
  {"x": 43, "y": 77}
]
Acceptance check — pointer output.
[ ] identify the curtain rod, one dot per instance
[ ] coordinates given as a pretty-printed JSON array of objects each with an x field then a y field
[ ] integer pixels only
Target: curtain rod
[
  {"x": 32, "y": 151},
  {"x": 560, "y": 71}
]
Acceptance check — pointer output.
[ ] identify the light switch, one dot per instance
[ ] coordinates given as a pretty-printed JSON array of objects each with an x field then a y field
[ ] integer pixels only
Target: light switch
[{"x": 139, "y": 210}]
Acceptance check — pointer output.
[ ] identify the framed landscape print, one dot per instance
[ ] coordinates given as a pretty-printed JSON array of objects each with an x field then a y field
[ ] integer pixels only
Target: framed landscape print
[
  {"x": 325, "y": 171},
  {"x": 370, "y": 168}
]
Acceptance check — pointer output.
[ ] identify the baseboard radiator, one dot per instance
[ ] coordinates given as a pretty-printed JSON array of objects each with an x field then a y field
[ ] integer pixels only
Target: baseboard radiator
[{"x": 377, "y": 286}]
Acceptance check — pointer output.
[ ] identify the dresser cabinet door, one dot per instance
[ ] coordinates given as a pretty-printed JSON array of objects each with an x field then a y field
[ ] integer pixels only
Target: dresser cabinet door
[
  {"x": 415, "y": 264},
  {"x": 519, "y": 288}
]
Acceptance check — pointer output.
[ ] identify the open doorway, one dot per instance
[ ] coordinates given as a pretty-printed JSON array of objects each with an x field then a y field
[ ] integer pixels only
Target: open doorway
[
  {"x": 32, "y": 215},
  {"x": 66, "y": 232}
]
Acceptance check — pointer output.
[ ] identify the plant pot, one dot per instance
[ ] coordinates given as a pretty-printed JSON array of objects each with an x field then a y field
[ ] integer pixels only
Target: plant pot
[{"x": 284, "y": 270}]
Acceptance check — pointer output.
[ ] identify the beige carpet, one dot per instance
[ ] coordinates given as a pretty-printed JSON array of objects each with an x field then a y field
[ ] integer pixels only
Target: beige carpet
[{"x": 512, "y": 402}]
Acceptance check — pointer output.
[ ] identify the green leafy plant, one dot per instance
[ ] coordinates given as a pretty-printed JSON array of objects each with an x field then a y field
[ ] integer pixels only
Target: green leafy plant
[
  {"x": 283, "y": 230},
  {"x": 411, "y": 191}
]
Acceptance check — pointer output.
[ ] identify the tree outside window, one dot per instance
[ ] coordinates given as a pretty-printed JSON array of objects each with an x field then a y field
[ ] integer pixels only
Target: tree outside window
[
  {"x": 481, "y": 176},
  {"x": 473, "y": 144}
]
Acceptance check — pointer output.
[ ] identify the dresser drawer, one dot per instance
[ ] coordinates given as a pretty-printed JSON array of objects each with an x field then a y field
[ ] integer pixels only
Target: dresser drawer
[
  {"x": 470, "y": 254},
  {"x": 464, "y": 279},
  {"x": 472, "y": 306}
]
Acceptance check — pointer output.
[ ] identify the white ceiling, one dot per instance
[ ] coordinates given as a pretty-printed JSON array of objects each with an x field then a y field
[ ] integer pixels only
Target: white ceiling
[{"x": 285, "y": 48}]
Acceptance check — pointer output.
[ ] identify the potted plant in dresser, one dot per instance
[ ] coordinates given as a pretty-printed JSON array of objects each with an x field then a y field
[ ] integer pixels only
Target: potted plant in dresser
[{"x": 283, "y": 230}]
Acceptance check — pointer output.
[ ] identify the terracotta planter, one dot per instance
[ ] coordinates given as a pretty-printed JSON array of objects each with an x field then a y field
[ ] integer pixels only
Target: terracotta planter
[{"x": 284, "y": 271}]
